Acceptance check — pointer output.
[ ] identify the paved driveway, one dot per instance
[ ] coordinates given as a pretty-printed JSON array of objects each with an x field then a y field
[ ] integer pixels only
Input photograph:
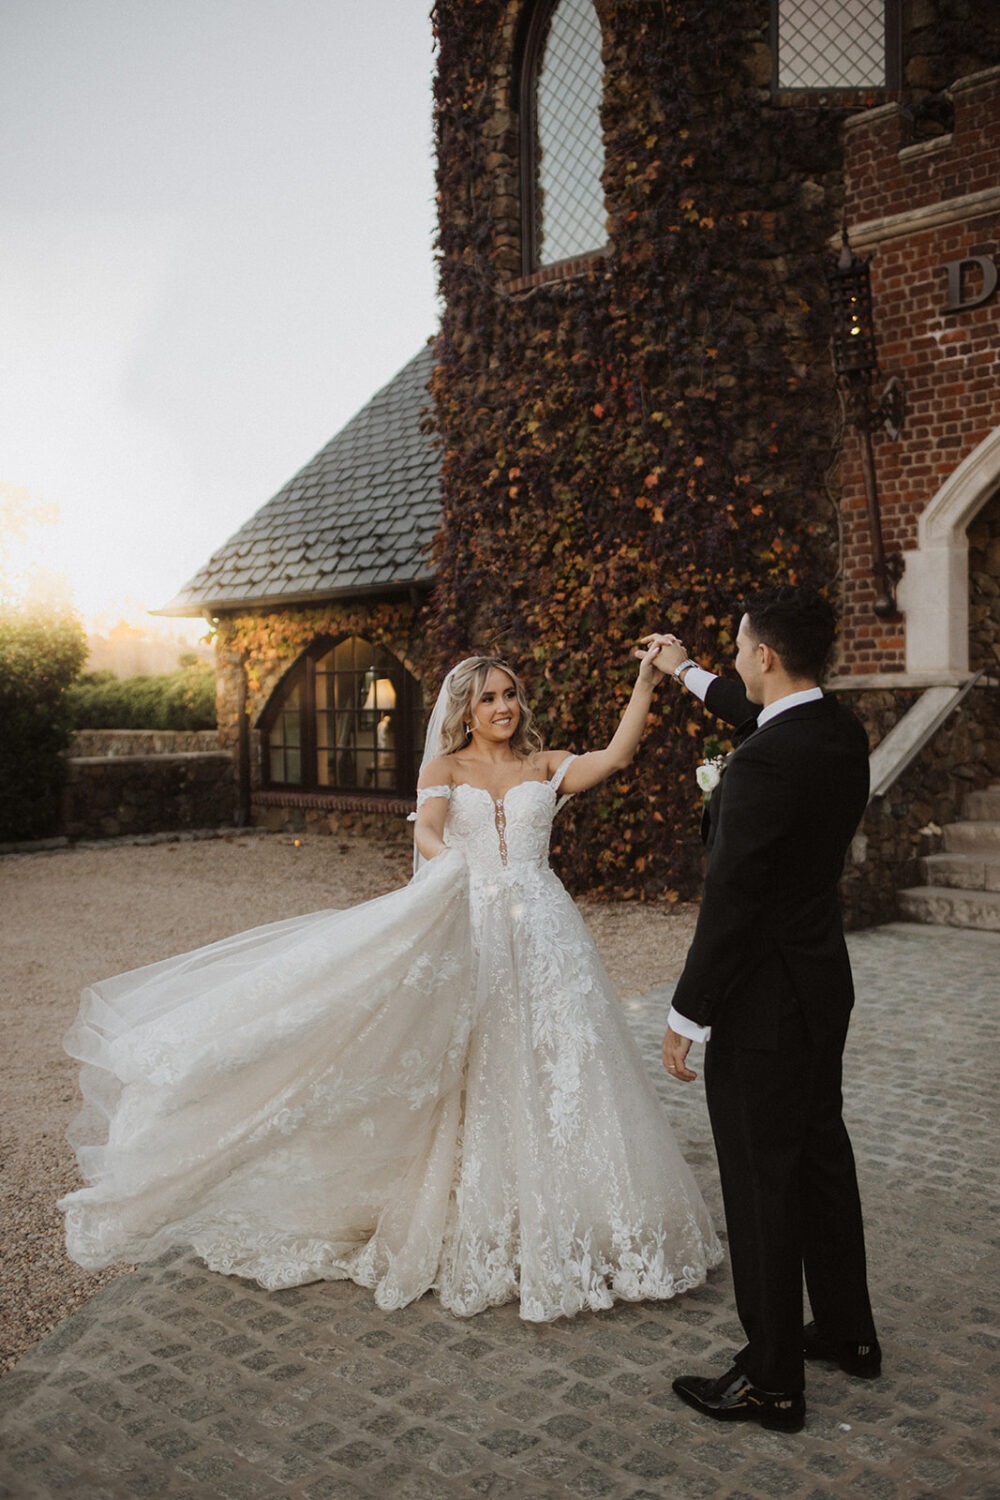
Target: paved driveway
[{"x": 178, "y": 1383}]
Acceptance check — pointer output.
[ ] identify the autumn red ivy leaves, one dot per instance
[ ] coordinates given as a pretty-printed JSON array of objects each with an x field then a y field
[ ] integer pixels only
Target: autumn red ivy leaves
[
  {"x": 266, "y": 646},
  {"x": 636, "y": 447}
]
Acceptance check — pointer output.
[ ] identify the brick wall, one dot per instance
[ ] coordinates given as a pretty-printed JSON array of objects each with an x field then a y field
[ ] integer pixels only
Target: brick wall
[{"x": 915, "y": 207}]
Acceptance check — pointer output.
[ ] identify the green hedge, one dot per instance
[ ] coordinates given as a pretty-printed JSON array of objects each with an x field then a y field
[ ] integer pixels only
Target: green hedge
[
  {"x": 40, "y": 655},
  {"x": 184, "y": 699}
]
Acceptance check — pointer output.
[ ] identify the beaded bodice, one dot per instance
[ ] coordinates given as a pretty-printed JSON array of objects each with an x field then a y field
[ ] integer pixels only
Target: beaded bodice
[{"x": 497, "y": 834}]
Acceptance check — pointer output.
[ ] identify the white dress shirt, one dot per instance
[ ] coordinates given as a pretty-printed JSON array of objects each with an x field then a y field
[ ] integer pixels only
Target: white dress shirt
[{"x": 698, "y": 681}]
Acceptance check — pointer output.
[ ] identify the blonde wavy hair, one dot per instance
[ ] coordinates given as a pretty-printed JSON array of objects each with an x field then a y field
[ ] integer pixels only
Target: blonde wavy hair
[{"x": 466, "y": 686}]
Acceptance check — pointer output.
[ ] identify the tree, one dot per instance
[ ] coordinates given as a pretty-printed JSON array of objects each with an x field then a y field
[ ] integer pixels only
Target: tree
[{"x": 41, "y": 653}]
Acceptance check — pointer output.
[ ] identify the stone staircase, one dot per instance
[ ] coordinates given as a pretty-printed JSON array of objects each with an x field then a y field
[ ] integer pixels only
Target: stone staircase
[{"x": 963, "y": 882}]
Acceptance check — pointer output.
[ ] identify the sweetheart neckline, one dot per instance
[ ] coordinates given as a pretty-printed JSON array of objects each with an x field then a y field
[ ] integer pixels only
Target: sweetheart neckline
[{"x": 529, "y": 781}]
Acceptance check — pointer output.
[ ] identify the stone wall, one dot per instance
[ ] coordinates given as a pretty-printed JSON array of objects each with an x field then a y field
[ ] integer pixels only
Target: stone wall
[
  {"x": 906, "y": 824},
  {"x": 943, "y": 40},
  {"x": 383, "y": 819},
  {"x": 112, "y": 796},
  {"x": 984, "y": 588},
  {"x": 96, "y": 742},
  {"x": 254, "y": 655}
]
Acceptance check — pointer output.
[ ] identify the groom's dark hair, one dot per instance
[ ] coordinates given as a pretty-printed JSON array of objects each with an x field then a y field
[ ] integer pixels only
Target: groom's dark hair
[{"x": 797, "y": 623}]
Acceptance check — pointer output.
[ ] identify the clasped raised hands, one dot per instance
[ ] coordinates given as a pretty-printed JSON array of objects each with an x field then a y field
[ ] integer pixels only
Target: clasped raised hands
[{"x": 664, "y": 652}]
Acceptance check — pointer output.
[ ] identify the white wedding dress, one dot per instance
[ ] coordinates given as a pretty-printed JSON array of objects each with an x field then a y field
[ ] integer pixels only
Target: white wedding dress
[{"x": 436, "y": 1090}]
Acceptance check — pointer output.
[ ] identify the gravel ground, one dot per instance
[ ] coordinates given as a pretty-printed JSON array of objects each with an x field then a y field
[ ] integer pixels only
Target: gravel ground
[{"x": 78, "y": 915}]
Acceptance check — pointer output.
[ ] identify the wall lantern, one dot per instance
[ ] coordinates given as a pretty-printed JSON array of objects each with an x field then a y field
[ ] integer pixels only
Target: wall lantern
[
  {"x": 855, "y": 358},
  {"x": 381, "y": 694}
]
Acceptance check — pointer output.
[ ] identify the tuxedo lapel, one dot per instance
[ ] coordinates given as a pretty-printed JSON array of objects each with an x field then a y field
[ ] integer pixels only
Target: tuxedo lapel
[
  {"x": 743, "y": 731},
  {"x": 802, "y": 712},
  {"x": 748, "y": 730}
]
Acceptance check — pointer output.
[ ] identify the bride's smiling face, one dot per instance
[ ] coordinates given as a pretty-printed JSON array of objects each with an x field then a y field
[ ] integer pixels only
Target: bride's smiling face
[{"x": 497, "y": 714}]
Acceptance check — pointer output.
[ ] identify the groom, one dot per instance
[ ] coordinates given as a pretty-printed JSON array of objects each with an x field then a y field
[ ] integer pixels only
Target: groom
[{"x": 768, "y": 978}]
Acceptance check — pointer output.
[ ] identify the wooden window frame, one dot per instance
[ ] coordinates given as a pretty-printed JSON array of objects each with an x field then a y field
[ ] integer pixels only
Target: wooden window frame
[{"x": 303, "y": 670}]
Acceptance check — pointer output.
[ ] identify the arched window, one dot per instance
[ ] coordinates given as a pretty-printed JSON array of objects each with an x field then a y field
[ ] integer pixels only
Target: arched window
[
  {"x": 562, "y": 158},
  {"x": 346, "y": 718}
]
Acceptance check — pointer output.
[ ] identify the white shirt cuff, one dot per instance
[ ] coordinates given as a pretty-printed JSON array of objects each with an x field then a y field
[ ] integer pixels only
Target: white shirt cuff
[
  {"x": 698, "y": 681},
  {"x": 682, "y": 1025}
]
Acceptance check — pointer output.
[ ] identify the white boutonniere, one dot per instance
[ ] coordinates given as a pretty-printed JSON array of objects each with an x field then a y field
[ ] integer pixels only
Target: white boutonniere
[{"x": 709, "y": 773}]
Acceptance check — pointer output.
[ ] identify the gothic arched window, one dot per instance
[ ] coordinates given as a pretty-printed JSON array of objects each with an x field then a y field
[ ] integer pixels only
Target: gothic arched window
[
  {"x": 346, "y": 718},
  {"x": 563, "y": 212}
]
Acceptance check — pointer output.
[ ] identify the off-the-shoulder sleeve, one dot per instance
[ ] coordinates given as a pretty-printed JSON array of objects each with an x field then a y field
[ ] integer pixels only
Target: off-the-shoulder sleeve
[{"x": 424, "y": 793}]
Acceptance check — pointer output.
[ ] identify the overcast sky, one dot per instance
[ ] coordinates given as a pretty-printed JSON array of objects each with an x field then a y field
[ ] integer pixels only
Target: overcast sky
[{"x": 217, "y": 242}]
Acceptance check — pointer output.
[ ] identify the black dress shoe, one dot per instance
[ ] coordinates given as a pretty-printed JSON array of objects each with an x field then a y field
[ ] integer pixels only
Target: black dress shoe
[
  {"x": 732, "y": 1398},
  {"x": 862, "y": 1360}
]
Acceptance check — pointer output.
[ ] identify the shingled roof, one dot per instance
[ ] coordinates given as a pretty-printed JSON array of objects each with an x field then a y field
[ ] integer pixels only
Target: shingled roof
[{"x": 359, "y": 518}]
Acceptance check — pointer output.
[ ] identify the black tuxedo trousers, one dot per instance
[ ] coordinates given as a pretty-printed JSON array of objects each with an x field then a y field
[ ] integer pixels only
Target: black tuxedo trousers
[{"x": 768, "y": 970}]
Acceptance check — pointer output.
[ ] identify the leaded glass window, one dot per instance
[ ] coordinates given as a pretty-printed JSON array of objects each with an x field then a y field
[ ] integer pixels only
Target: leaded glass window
[
  {"x": 284, "y": 743},
  {"x": 347, "y": 718},
  {"x": 831, "y": 44},
  {"x": 564, "y": 197}
]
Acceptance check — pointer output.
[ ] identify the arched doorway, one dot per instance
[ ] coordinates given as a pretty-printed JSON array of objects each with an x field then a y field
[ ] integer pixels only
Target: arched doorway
[
  {"x": 984, "y": 587},
  {"x": 934, "y": 592}
]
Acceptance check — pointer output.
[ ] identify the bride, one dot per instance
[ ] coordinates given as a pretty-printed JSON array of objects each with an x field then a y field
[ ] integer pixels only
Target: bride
[{"x": 434, "y": 1091}]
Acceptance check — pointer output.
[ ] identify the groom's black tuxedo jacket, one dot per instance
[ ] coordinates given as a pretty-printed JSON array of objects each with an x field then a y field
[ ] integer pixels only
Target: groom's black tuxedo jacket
[{"x": 769, "y": 940}]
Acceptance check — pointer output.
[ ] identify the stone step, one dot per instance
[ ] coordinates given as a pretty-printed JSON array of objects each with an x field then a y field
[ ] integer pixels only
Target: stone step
[
  {"x": 972, "y": 838},
  {"x": 983, "y": 806},
  {"x": 951, "y": 908},
  {"x": 967, "y": 872}
]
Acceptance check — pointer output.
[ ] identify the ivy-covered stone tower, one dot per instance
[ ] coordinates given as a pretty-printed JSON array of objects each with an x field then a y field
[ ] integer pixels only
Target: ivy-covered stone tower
[{"x": 633, "y": 390}]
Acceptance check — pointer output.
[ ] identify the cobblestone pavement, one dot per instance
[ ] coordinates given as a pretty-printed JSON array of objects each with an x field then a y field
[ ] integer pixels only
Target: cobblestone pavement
[{"x": 175, "y": 1382}]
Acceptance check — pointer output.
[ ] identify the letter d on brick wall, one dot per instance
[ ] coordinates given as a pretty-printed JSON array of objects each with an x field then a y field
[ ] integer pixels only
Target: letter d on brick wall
[{"x": 956, "y": 277}]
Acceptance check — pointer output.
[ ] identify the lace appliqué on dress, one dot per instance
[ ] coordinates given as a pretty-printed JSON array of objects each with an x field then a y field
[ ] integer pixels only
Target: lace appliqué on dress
[{"x": 435, "y": 1090}]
